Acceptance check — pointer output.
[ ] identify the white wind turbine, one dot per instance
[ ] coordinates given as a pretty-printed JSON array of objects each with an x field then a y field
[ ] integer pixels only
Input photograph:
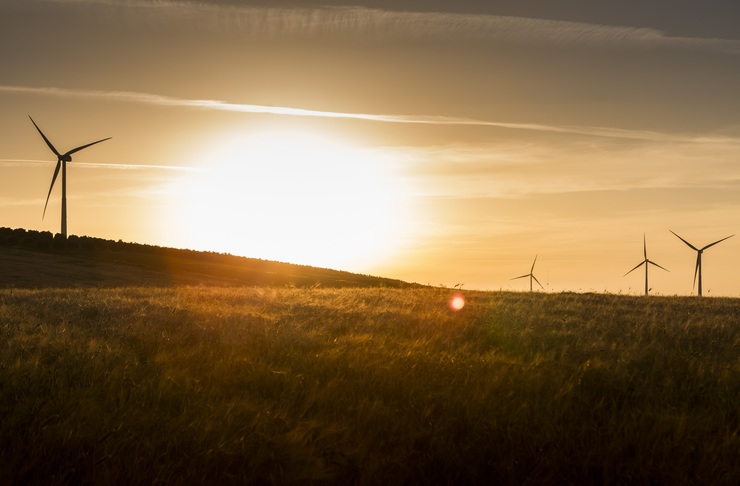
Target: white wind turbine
[
  {"x": 699, "y": 251},
  {"x": 62, "y": 160},
  {"x": 647, "y": 264},
  {"x": 531, "y": 276}
]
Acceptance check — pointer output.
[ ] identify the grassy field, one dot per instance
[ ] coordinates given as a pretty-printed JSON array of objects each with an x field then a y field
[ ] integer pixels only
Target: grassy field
[{"x": 260, "y": 385}]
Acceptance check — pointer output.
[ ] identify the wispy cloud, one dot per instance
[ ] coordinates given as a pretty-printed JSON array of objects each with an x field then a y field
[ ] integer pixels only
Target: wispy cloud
[
  {"x": 512, "y": 170},
  {"x": 91, "y": 165},
  {"x": 160, "y": 100},
  {"x": 382, "y": 25}
]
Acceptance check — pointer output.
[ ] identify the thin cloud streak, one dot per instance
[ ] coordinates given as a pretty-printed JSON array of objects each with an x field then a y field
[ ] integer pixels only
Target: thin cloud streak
[
  {"x": 167, "y": 101},
  {"x": 382, "y": 25},
  {"x": 92, "y": 165},
  {"x": 515, "y": 170}
]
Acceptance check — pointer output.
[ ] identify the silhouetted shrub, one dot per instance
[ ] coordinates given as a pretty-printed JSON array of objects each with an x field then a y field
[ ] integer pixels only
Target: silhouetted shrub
[
  {"x": 42, "y": 240},
  {"x": 60, "y": 242},
  {"x": 73, "y": 242}
]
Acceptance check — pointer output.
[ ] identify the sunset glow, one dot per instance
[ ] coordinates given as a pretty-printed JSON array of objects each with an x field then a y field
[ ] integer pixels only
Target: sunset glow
[
  {"x": 290, "y": 196},
  {"x": 432, "y": 142}
]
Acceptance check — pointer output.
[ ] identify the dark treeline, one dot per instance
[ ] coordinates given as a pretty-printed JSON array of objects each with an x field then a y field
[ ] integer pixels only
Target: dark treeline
[
  {"x": 45, "y": 240},
  {"x": 180, "y": 266}
]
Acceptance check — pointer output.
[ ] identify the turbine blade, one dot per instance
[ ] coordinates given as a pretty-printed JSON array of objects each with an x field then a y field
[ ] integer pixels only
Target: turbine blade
[
  {"x": 45, "y": 139},
  {"x": 85, "y": 146},
  {"x": 523, "y": 276},
  {"x": 690, "y": 245},
  {"x": 535, "y": 261},
  {"x": 53, "y": 179},
  {"x": 653, "y": 263},
  {"x": 638, "y": 266},
  {"x": 644, "y": 246},
  {"x": 718, "y": 241},
  {"x": 538, "y": 282}
]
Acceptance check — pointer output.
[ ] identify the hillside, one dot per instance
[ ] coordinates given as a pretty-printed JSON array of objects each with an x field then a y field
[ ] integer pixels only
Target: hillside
[{"x": 33, "y": 259}]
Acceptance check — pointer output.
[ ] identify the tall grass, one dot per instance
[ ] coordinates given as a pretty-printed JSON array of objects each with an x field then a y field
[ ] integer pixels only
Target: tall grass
[{"x": 366, "y": 386}]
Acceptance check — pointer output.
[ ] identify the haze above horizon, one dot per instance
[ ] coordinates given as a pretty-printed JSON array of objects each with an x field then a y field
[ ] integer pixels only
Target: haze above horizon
[{"x": 432, "y": 142}]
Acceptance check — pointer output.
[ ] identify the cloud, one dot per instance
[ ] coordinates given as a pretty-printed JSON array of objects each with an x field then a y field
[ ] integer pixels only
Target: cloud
[
  {"x": 383, "y": 25},
  {"x": 515, "y": 170},
  {"x": 168, "y": 101},
  {"x": 91, "y": 165}
]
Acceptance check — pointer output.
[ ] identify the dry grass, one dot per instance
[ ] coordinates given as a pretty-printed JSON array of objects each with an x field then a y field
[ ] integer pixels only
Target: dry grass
[{"x": 339, "y": 386}]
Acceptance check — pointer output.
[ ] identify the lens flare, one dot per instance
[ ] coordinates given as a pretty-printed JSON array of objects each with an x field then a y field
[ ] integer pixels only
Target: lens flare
[{"x": 457, "y": 302}]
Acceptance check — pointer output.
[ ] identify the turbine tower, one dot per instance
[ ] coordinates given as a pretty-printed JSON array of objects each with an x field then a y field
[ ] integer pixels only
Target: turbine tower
[
  {"x": 531, "y": 276},
  {"x": 699, "y": 251},
  {"x": 647, "y": 264},
  {"x": 62, "y": 160}
]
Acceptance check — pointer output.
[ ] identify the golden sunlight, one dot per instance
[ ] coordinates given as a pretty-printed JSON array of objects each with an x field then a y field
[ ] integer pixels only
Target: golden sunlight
[{"x": 294, "y": 197}]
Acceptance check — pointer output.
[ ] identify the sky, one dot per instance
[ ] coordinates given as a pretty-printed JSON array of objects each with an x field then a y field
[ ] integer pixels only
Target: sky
[{"x": 444, "y": 143}]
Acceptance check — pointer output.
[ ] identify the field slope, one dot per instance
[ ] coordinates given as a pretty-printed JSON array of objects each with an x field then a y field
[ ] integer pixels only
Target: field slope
[
  {"x": 32, "y": 259},
  {"x": 276, "y": 385}
]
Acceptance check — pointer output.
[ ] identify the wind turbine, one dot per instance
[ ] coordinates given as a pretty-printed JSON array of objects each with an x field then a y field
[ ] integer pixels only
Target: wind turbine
[
  {"x": 62, "y": 160},
  {"x": 647, "y": 264},
  {"x": 531, "y": 276},
  {"x": 699, "y": 251}
]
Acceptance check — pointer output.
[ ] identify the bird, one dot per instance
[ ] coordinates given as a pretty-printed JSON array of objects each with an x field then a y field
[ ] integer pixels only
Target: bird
[{"x": 62, "y": 160}]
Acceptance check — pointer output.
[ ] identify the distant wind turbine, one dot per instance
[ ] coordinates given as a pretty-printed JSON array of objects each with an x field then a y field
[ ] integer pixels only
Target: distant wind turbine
[
  {"x": 647, "y": 264},
  {"x": 531, "y": 276},
  {"x": 699, "y": 251},
  {"x": 62, "y": 160}
]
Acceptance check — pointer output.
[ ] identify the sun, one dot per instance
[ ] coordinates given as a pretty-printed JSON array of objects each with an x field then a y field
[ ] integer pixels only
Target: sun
[{"x": 295, "y": 197}]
